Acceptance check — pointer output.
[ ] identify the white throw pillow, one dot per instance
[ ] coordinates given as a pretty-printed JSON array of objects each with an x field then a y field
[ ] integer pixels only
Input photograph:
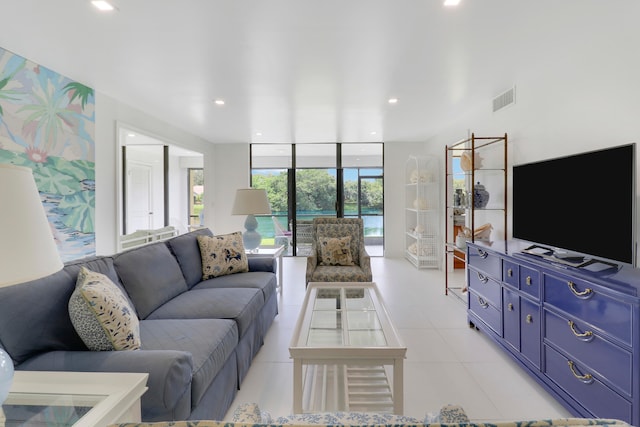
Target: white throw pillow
[{"x": 102, "y": 315}]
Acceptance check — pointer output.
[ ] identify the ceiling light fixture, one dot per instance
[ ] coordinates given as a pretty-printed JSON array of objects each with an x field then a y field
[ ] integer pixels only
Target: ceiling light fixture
[
  {"x": 103, "y": 5},
  {"x": 219, "y": 101},
  {"x": 451, "y": 2},
  {"x": 393, "y": 100}
]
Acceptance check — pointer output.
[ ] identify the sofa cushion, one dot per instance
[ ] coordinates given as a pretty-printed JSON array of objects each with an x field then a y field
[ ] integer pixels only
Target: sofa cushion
[
  {"x": 102, "y": 315},
  {"x": 222, "y": 254},
  {"x": 265, "y": 281},
  {"x": 151, "y": 276},
  {"x": 335, "y": 250},
  {"x": 187, "y": 252},
  {"x": 239, "y": 304},
  {"x": 45, "y": 301},
  {"x": 210, "y": 341}
]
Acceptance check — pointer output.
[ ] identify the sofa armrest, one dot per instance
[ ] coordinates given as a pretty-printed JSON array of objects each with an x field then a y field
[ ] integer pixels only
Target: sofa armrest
[
  {"x": 268, "y": 264},
  {"x": 169, "y": 371}
]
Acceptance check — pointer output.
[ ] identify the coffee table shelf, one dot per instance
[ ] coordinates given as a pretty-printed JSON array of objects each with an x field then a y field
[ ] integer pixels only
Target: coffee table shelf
[{"x": 347, "y": 355}]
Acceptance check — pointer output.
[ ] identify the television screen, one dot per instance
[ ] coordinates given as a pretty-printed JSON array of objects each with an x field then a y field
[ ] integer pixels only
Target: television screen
[{"x": 584, "y": 203}]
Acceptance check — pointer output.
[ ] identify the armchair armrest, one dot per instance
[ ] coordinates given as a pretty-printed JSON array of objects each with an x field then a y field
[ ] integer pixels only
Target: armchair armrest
[
  {"x": 365, "y": 263},
  {"x": 312, "y": 262}
]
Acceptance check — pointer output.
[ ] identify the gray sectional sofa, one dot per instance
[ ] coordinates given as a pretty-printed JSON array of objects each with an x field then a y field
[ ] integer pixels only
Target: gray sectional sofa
[{"x": 198, "y": 338}]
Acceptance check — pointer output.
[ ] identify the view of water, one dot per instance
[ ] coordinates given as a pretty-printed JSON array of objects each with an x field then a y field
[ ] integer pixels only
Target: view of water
[{"x": 373, "y": 225}]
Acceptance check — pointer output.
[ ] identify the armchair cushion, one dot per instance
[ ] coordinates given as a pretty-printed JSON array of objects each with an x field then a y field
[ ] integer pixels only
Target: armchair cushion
[
  {"x": 335, "y": 250},
  {"x": 340, "y": 230}
]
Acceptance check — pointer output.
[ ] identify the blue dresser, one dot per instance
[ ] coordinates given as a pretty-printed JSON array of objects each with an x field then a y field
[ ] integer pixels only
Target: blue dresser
[{"x": 576, "y": 332}]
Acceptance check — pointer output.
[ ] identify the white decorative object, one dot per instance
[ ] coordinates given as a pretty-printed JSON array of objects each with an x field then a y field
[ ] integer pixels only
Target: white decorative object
[
  {"x": 27, "y": 248},
  {"x": 250, "y": 202},
  {"x": 422, "y": 212}
]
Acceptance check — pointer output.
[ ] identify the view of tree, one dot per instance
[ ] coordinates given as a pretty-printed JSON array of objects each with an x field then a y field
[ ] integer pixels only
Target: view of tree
[{"x": 317, "y": 190}]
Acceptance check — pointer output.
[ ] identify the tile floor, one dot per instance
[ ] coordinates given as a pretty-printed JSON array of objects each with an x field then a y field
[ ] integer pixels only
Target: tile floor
[{"x": 447, "y": 362}]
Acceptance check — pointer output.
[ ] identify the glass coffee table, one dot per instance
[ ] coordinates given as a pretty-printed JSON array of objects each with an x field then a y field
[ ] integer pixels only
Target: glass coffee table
[
  {"x": 78, "y": 399},
  {"x": 347, "y": 355}
]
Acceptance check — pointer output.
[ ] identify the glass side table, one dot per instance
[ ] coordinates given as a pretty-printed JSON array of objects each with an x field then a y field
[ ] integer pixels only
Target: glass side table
[{"x": 79, "y": 399}]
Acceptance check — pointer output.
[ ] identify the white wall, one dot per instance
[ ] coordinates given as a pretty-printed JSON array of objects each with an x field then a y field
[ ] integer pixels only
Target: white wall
[
  {"x": 586, "y": 98},
  {"x": 231, "y": 172},
  {"x": 108, "y": 113}
]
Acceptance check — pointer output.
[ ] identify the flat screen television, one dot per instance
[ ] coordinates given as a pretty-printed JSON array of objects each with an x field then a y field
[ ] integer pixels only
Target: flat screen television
[{"x": 580, "y": 206}]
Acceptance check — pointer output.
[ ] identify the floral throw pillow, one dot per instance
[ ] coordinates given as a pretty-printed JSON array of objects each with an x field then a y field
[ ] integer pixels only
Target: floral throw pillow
[
  {"x": 335, "y": 250},
  {"x": 222, "y": 254},
  {"x": 102, "y": 315}
]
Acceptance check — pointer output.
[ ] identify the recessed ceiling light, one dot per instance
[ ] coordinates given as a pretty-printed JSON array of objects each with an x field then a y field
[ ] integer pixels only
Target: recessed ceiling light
[
  {"x": 393, "y": 100},
  {"x": 132, "y": 135},
  {"x": 451, "y": 2},
  {"x": 103, "y": 5},
  {"x": 258, "y": 133},
  {"x": 219, "y": 101},
  {"x": 373, "y": 132}
]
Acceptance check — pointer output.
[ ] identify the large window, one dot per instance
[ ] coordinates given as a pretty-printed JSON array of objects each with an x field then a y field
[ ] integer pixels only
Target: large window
[
  {"x": 196, "y": 192},
  {"x": 304, "y": 181}
]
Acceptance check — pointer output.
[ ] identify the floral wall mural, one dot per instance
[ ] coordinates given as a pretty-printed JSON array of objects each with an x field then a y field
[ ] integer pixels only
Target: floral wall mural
[{"x": 47, "y": 124}]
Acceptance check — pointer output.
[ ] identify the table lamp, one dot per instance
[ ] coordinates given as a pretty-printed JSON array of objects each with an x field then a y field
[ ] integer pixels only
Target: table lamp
[
  {"x": 250, "y": 202},
  {"x": 27, "y": 248}
]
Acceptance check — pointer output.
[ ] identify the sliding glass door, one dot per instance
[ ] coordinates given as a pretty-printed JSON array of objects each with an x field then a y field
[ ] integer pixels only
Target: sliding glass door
[{"x": 305, "y": 181}]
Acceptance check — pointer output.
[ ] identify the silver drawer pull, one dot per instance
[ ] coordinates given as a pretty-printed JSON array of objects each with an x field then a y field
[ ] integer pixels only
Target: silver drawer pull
[
  {"x": 510, "y": 272},
  {"x": 586, "y": 378},
  {"x": 528, "y": 280},
  {"x": 483, "y": 303},
  {"x": 483, "y": 254},
  {"x": 584, "y": 294},
  {"x": 587, "y": 334},
  {"x": 510, "y": 307},
  {"x": 529, "y": 318},
  {"x": 483, "y": 278}
]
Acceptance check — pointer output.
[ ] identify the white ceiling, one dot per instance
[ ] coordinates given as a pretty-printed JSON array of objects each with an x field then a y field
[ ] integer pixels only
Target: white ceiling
[{"x": 303, "y": 70}]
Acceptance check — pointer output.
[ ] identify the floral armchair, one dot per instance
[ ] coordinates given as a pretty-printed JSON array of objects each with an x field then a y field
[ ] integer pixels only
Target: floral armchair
[{"x": 337, "y": 251}]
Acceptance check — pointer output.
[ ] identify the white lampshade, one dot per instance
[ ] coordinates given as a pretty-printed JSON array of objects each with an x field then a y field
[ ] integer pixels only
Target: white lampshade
[
  {"x": 27, "y": 248},
  {"x": 251, "y": 201}
]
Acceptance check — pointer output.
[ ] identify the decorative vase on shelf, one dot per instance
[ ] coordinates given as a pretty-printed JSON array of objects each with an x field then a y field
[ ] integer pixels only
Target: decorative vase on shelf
[{"x": 480, "y": 196}]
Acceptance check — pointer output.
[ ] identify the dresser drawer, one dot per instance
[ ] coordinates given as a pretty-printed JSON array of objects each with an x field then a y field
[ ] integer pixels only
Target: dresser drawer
[
  {"x": 530, "y": 331},
  {"x": 511, "y": 317},
  {"x": 576, "y": 339},
  {"x": 510, "y": 273},
  {"x": 489, "y": 314},
  {"x": 584, "y": 301},
  {"x": 485, "y": 286},
  {"x": 487, "y": 262},
  {"x": 585, "y": 387},
  {"x": 529, "y": 281}
]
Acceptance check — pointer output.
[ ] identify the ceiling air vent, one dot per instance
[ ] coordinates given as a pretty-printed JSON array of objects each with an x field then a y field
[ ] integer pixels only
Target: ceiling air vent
[{"x": 504, "y": 99}]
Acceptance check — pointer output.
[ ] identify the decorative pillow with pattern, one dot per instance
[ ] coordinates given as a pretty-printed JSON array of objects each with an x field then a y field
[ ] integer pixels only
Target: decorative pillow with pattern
[
  {"x": 223, "y": 254},
  {"x": 102, "y": 315},
  {"x": 335, "y": 250}
]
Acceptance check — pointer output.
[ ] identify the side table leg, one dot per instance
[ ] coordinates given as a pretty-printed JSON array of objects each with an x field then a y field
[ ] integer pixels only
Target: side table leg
[
  {"x": 297, "y": 386},
  {"x": 280, "y": 272}
]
